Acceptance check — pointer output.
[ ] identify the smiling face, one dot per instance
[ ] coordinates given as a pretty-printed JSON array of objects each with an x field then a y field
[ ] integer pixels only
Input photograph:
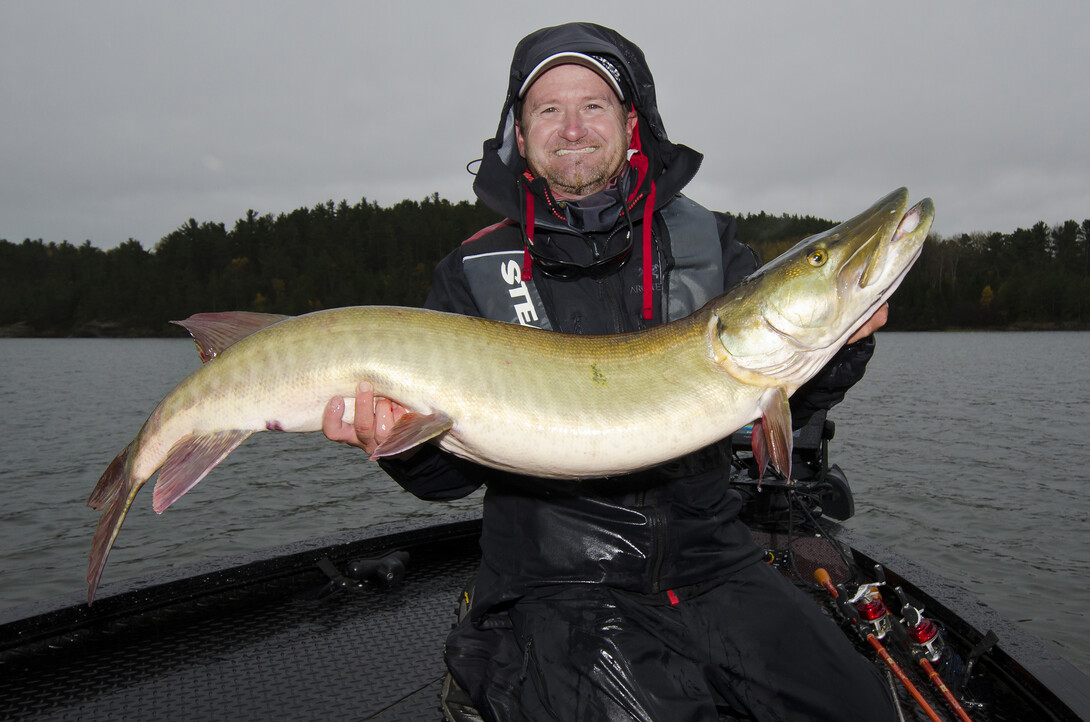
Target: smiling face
[{"x": 574, "y": 131}]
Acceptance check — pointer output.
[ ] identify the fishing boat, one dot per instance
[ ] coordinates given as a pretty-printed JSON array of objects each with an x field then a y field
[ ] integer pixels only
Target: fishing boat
[{"x": 352, "y": 627}]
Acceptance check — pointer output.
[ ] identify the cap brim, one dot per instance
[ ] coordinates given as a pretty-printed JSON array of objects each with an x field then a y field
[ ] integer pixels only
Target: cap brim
[{"x": 571, "y": 58}]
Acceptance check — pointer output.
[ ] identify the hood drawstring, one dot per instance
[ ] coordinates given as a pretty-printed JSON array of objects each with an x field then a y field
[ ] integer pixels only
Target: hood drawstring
[
  {"x": 642, "y": 164},
  {"x": 528, "y": 233}
]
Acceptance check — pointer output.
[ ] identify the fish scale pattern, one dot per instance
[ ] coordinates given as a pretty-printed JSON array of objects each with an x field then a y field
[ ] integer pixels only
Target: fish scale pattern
[{"x": 367, "y": 654}]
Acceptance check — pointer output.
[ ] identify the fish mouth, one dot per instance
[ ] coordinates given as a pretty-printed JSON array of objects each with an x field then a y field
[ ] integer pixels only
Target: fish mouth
[
  {"x": 912, "y": 231},
  {"x": 893, "y": 239},
  {"x": 878, "y": 266},
  {"x": 909, "y": 223}
]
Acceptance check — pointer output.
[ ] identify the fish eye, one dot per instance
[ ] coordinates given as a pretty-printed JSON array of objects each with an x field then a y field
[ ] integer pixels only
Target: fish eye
[{"x": 817, "y": 257}]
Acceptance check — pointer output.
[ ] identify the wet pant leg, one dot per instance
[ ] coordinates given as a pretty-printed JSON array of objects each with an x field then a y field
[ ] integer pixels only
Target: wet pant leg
[
  {"x": 766, "y": 644},
  {"x": 753, "y": 642}
]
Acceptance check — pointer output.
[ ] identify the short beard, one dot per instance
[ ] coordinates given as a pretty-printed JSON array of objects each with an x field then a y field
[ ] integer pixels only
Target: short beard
[{"x": 582, "y": 184}]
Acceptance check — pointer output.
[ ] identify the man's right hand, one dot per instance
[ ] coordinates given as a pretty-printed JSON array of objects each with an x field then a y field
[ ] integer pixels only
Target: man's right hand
[{"x": 374, "y": 418}]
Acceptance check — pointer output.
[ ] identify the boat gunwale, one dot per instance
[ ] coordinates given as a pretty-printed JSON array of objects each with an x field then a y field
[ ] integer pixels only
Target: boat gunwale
[
  {"x": 35, "y": 622},
  {"x": 1024, "y": 660}
]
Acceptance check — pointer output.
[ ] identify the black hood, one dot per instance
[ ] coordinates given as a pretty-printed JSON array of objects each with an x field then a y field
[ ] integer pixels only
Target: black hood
[{"x": 672, "y": 166}]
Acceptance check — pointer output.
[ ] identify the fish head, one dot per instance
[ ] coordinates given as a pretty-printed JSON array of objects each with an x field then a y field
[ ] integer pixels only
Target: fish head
[{"x": 798, "y": 310}]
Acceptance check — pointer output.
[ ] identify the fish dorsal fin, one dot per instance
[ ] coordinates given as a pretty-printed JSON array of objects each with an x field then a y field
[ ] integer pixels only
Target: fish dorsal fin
[
  {"x": 213, "y": 332},
  {"x": 411, "y": 430},
  {"x": 190, "y": 460},
  {"x": 771, "y": 438}
]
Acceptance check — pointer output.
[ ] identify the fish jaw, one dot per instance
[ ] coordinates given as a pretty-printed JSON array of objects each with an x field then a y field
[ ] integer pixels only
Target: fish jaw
[{"x": 792, "y": 315}]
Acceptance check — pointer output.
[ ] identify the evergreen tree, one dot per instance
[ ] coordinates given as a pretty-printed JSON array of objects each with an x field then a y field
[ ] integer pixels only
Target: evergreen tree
[{"x": 340, "y": 254}]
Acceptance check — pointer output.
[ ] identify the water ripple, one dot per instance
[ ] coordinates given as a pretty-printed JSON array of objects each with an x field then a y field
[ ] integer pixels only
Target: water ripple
[{"x": 966, "y": 451}]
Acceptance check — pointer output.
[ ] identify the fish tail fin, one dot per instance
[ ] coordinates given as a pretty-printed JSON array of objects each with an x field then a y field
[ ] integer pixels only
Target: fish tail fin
[
  {"x": 190, "y": 460},
  {"x": 114, "y": 492},
  {"x": 111, "y": 481}
]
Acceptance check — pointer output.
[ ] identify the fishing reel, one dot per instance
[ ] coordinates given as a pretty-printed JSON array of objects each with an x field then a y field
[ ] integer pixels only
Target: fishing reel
[
  {"x": 871, "y": 610},
  {"x": 923, "y": 636}
]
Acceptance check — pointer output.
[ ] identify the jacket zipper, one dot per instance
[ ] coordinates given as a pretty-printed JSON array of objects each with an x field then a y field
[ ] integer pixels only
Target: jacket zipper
[
  {"x": 658, "y": 529},
  {"x": 606, "y": 291},
  {"x": 657, "y": 521}
]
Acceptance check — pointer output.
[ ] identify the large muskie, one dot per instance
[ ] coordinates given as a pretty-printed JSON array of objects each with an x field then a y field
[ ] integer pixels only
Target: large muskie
[{"x": 521, "y": 399}]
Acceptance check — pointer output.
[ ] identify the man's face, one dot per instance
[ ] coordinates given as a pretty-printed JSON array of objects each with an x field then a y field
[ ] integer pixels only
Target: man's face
[{"x": 574, "y": 132}]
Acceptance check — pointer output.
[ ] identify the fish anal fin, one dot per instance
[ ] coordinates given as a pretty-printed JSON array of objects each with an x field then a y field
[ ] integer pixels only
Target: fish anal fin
[
  {"x": 190, "y": 460},
  {"x": 213, "y": 332},
  {"x": 411, "y": 430},
  {"x": 775, "y": 428}
]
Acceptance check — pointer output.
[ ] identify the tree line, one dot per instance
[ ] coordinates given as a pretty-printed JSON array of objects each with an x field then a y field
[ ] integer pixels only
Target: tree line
[{"x": 340, "y": 255}]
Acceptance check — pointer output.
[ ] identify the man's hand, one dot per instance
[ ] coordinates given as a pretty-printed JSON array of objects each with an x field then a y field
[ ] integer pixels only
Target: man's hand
[
  {"x": 874, "y": 323},
  {"x": 374, "y": 418}
]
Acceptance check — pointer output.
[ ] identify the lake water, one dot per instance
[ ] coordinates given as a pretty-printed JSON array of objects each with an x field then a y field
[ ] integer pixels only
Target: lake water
[{"x": 966, "y": 451}]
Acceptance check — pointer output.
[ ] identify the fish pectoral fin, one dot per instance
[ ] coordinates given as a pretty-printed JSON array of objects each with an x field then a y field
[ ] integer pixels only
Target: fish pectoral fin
[
  {"x": 760, "y": 451},
  {"x": 190, "y": 460},
  {"x": 213, "y": 332},
  {"x": 411, "y": 430},
  {"x": 772, "y": 432}
]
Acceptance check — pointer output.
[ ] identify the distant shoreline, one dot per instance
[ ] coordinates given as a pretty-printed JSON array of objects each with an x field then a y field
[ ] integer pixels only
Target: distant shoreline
[{"x": 106, "y": 329}]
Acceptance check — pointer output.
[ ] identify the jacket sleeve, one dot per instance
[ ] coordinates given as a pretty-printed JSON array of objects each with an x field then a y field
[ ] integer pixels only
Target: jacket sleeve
[
  {"x": 739, "y": 260},
  {"x": 430, "y": 473},
  {"x": 450, "y": 289},
  {"x": 828, "y": 387},
  {"x": 433, "y": 475}
]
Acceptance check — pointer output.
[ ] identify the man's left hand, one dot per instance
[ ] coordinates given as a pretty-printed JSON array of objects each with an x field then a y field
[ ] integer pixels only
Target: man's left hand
[{"x": 874, "y": 323}]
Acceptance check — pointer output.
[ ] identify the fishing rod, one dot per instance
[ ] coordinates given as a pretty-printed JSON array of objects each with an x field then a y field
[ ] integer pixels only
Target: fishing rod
[
  {"x": 926, "y": 645},
  {"x": 869, "y": 622}
]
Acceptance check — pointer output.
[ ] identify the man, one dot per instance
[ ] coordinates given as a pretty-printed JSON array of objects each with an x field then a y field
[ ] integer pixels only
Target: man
[{"x": 642, "y": 596}]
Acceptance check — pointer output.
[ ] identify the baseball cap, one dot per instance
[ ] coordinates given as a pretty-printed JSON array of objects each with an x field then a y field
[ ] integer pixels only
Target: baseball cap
[{"x": 598, "y": 63}]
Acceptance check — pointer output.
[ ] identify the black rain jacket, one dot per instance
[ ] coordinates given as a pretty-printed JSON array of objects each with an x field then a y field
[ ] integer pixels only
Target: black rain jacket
[{"x": 671, "y": 527}]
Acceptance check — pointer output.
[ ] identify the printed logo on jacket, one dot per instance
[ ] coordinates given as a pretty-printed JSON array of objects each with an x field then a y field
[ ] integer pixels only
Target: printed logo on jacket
[{"x": 495, "y": 280}]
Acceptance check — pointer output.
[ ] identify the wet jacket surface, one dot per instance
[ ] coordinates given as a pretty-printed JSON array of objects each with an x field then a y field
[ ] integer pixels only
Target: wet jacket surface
[{"x": 670, "y": 527}]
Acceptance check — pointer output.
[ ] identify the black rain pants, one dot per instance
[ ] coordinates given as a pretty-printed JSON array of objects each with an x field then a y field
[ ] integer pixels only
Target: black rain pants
[{"x": 752, "y": 643}]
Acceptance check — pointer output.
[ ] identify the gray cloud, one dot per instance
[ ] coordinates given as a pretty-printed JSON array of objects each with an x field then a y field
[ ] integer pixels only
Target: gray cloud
[{"x": 126, "y": 119}]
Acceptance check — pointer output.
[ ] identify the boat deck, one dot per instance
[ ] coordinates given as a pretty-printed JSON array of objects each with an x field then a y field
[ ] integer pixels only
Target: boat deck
[
  {"x": 294, "y": 647},
  {"x": 275, "y": 638}
]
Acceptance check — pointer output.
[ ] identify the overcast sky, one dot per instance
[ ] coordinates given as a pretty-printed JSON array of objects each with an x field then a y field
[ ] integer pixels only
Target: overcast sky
[{"x": 124, "y": 119}]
